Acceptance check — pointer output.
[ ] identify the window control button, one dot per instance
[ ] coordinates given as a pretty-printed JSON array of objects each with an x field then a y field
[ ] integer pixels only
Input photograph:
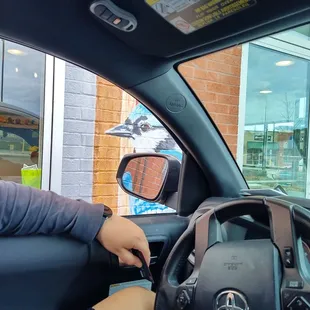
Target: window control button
[
  {"x": 123, "y": 23},
  {"x": 112, "y": 18},
  {"x": 117, "y": 21},
  {"x": 106, "y": 14},
  {"x": 99, "y": 9}
]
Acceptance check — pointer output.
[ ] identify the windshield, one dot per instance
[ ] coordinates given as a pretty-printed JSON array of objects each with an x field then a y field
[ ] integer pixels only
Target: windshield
[{"x": 258, "y": 96}]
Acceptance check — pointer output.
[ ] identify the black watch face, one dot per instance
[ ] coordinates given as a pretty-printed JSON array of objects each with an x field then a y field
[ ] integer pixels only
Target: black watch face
[{"x": 107, "y": 211}]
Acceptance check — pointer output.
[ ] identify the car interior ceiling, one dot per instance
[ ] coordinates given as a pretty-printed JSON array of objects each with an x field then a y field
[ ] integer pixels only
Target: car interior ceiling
[
  {"x": 68, "y": 30},
  {"x": 144, "y": 64}
]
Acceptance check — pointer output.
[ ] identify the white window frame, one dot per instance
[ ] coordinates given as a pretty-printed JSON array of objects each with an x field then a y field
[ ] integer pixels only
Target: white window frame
[
  {"x": 57, "y": 126},
  {"x": 47, "y": 122},
  {"x": 53, "y": 122}
]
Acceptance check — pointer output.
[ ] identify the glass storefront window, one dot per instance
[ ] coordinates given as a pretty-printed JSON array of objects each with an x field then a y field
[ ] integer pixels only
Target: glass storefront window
[
  {"x": 21, "y": 113},
  {"x": 258, "y": 95},
  {"x": 276, "y": 120}
]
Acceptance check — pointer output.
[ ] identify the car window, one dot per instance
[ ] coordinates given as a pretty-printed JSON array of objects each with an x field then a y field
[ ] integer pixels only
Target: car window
[
  {"x": 123, "y": 125},
  {"x": 258, "y": 96},
  {"x": 65, "y": 129}
]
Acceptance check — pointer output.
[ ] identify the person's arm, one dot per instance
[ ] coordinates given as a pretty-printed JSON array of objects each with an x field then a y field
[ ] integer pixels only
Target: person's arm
[{"x": 25, "y": 210}]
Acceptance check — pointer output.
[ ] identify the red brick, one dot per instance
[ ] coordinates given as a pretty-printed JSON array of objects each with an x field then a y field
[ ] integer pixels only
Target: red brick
[
  {"x": 104, "y": 189},
  {"x": 109, "y": 104},
  {"x": 218, "y": 67},
  {"x": 105, "y": 177},
  {"x": 196, "y": 84},
  {"x": 218, "y": 88},
  {"x": 221, "y": 108},
  {"x": 236, "y": 50},
  {"x": 235, "y": 70},
  {"x": 228, "y": 79},
  {"x": 186, "y": 71},
  {"x": 230, "y": 139},
  {"x": 200, "y": 62},
  {"x": 226, "y": 119},
  {"x": 217, "y": 56},
  {"x": 205, "y": 75},
  {"x": 206, "y": 96},
  {"x": 231, "y": 60},
  {"x": 234, "y": 90},
  {"x": 223, "y": 129},
  {"x": 233, "y": 149},
  {"x": 102, "y": 81},
  {"x": 228, "y": 99},
  {"x": 234, "y": 109},
  {"x": 232, "y": 129},
  {"x": 106, "y": 164}
]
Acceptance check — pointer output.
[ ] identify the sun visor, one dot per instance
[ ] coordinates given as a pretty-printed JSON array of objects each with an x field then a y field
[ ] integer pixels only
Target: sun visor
[{"x": 190, "y": 15}]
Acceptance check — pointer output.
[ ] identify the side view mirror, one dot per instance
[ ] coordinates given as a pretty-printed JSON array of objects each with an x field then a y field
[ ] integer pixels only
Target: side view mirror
[{"x": 152, "y": 177}]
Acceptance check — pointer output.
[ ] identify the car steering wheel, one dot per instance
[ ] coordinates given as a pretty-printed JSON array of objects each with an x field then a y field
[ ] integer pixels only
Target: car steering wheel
[{"x": 238, "y": 275}]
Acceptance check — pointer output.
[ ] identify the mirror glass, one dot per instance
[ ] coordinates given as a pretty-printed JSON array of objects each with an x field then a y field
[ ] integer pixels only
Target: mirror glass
[{"x": 145, "y": 176}]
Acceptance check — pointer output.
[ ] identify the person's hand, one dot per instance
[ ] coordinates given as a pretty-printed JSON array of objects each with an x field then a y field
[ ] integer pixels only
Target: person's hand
[{"x": 119, "y": 235}]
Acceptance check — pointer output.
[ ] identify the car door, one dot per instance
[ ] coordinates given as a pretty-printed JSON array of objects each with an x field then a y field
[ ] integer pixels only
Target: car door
[{"x": 102, "y": 123}]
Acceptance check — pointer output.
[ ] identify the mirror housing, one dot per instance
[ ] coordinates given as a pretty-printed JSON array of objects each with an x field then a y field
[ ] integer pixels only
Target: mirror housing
[{"x": 152, "y": 177}]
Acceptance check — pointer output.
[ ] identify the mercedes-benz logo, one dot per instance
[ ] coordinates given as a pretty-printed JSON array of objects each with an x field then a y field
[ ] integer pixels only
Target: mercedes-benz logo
[{"x": 231, "y": 300}]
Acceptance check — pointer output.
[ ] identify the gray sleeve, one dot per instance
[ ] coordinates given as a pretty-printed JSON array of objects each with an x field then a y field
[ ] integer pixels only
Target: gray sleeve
[{"x": 25, "y": 210}]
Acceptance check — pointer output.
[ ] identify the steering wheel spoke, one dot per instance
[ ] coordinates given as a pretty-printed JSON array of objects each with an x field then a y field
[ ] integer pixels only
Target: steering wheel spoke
[{"x": 207, "y": 233}]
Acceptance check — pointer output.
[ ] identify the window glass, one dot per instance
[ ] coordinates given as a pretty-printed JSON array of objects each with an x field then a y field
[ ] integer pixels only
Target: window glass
[
  {"x": 21, "y": 110},
  {"x": 258, "y": 96},
  {"x": 127, "y": 127},
  {"x": 102, "y": 123},
  {"x": 276, "y": 120}
]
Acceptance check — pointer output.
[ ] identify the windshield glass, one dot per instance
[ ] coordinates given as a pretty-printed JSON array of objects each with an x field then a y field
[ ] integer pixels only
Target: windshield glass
[{"x": 258, "y": 96}]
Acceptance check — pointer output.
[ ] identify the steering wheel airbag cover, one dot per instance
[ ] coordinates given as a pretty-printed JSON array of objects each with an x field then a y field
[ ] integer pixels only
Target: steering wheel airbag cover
[{"x": 246, "y": 269}]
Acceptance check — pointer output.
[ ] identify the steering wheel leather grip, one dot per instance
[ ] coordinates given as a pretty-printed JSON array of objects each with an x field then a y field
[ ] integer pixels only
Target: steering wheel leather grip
[{"x": 239, "y": 275}]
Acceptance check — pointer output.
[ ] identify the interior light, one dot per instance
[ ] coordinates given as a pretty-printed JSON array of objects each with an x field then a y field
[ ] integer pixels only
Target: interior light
[
  {"x": 284, "y": 63},
  {"x": 16, "y": 69},
  {"x": 35, "y": 74},
  {"x": 265, "y": 91},
  {"x": 15, "y": 52}
]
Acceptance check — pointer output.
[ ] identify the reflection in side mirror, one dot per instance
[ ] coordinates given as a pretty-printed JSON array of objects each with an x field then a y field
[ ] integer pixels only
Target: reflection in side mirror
[
  {"x": 145, "y": 176},
  {"x": 149, "y": 176}
]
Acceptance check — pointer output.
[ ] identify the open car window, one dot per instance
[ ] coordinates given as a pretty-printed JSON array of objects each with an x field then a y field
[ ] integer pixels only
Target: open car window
[
  {"x": 62, "y": 128},
  {"x": 258, "y": 96}
]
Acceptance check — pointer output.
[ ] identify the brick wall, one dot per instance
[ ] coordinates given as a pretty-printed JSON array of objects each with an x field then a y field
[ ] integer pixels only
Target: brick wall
[
  {"x": 79, "y": 125},
  {"x": 215, "y": 79},
  {"x": 147, "y": 175},
  {"x": 106, "y": 148}
]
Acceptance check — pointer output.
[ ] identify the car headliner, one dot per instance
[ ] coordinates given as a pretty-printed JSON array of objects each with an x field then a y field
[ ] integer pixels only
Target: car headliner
[{"x": 66, "y": 29}]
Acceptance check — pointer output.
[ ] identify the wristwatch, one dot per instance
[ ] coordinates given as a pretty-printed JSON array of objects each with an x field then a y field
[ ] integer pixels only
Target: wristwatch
[{"x": 107, "y": 212}]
